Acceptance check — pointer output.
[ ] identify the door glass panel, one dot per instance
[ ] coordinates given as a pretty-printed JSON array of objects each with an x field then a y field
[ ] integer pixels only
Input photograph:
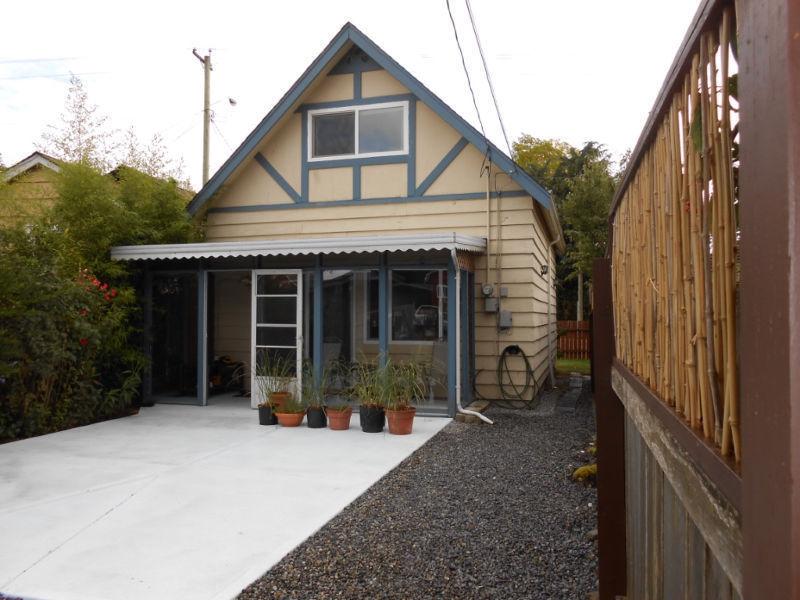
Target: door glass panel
[
  {"x": 277, "y": 310},
  {"x": 276, "y": 336},
  {"x": 272, "y": 354},
  {"x": 277, "y": 284}
]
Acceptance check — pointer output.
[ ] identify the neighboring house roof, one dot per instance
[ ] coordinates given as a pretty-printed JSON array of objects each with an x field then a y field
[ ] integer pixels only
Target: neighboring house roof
[
  {"x": 350, "y": 35},
  {"x": 33, "y": 160}
]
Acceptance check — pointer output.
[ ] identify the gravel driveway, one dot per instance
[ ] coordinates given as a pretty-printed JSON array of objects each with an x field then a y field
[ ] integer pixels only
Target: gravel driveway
[{"x": 478, "y": 512}]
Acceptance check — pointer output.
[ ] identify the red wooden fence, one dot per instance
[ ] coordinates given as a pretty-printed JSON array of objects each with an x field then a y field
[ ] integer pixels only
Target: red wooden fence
[{"x": 574, "y": 339}]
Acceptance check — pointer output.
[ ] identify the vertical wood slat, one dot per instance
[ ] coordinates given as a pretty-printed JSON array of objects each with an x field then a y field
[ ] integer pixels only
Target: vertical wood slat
[
  {"x": 696, "y": 560},
  {"x": 574, "y": 340},
  {"x": 674, "y": 545},
  {"x": 667, "y": 555}
]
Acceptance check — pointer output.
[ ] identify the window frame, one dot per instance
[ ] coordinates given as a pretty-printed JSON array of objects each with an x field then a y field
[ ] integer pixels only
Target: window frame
[{"x": 356, "y": 109}]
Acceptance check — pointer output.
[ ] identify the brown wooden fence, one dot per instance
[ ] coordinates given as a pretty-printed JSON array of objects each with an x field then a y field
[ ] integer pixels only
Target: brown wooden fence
[{"x": 574, "y": 340}]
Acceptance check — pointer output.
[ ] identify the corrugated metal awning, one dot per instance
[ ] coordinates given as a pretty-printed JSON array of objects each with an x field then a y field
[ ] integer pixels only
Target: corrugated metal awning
[{"x": 294, "y": 247}]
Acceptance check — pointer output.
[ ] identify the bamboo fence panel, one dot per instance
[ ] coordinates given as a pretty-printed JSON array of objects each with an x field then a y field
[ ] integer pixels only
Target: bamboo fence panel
[{"x": 674, "y": 256}]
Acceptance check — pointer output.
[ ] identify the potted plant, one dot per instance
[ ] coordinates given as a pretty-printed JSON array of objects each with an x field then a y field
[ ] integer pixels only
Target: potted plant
[
  {"x": 314, "y": 387},
  {"x": 339, "y": 416},
  {"x": 291, "y": 413},
  {"x": 369, "y": 387},
  {"x": 273, "y": 377},
  {"x": 405, "y": 387}
]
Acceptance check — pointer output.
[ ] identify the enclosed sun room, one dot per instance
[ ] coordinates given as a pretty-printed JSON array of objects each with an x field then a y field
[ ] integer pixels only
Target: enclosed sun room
[{"x": 214, "y": 310}]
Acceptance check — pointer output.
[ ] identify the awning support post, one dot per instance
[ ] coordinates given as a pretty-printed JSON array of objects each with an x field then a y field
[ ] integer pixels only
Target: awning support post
[
  {"x": 383, "y": 310},
  {"x": 317, "y": 356}
]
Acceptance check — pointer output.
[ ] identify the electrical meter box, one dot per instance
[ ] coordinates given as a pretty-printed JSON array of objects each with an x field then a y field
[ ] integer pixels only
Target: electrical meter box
[{"x": 490, "y": 305}]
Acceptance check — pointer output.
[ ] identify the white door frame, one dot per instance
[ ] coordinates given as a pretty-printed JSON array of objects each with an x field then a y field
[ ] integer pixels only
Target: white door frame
[{"x": 298, "y": 320}]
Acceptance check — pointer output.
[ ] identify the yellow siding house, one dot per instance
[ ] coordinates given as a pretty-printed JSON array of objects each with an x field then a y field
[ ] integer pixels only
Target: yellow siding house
[
  {"x": 362, "y": 219},
  {"x": 30, "y": 188}
]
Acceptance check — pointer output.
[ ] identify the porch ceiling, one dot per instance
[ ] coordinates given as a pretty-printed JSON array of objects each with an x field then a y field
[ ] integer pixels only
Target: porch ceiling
[{"x": 292, "y": 247}]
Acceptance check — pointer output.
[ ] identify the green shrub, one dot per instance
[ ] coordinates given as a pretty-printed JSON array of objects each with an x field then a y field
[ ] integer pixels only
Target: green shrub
[{"x": 68, "y": 313}]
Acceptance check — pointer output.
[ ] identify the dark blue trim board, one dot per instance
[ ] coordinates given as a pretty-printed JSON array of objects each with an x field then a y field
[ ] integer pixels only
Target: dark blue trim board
[
  {"x": 355, "y": 102},
  {"x": 361, "y": 162},
  {"x": 348, "y": 36},
  {"x": 357, "y": 182},
  {"x": 451, "y": 339},
  {"x": 202, "y": 345},
  {"x": 317, "y": 356},
  {"x": 357, "y": 85},
  {"x": 273, "y": 172},
  {"x": 304, "y": 157},
  {"x": 440, "y": 168},
  {"x": 411, "y": 166},
  {"x": 367, "y": 201},
  {"x": 466, "y": 388},
  {"x": 383, "y": 310}
]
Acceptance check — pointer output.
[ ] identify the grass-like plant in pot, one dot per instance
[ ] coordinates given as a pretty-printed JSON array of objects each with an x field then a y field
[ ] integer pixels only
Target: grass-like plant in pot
[
  {"x": 369, "y": 388},
  {"x": 314, "y": 390},
  {"x": 405, "y": 387},
  {"x": 291, "y": 413},
  {"x": 273, "y": 376}
]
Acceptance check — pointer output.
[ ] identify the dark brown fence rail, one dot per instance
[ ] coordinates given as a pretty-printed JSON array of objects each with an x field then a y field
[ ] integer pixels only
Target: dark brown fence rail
[{"x": 574, "y": 340}]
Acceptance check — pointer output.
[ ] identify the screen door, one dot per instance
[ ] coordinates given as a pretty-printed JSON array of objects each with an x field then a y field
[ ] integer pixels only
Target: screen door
[{"x": 277, "y": 324}]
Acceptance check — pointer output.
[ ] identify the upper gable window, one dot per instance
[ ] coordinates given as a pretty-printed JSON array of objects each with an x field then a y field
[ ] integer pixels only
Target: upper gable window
[{"x": 358, "y": 131}]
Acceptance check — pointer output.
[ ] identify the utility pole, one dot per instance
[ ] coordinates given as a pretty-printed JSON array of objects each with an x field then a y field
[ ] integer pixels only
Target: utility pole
[{"x": 206, "y": 60}]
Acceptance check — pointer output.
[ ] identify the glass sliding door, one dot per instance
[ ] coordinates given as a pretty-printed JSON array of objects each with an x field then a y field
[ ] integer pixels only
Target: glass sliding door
[{"x": 277, "y": 323}]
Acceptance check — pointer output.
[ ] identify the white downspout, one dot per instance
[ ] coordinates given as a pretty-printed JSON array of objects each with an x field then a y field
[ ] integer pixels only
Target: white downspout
[{"x": 460, "y": 408}]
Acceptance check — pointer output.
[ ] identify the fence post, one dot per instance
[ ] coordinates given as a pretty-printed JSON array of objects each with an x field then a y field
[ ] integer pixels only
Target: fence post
[
  {"x": 769, "y": 348},
  {"x": 611, "y": 530}
]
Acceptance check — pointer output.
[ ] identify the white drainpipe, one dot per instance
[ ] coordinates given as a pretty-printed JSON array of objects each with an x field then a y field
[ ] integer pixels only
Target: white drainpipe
[{"x": 460, "y": 408}]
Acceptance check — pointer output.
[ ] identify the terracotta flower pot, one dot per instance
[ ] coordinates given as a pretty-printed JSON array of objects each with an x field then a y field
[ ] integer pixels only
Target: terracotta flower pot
[
  {"x": 278, "y": 400},
  {"x": 401, "y": 421},
  {"x": 339, "y": 420},
  {"x": 290, "y": 419}
]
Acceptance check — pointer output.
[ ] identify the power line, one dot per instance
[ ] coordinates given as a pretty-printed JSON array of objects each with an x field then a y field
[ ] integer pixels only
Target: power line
[
  {"x": 488, "y": 77},
  {"x": 224, "y": 139},
  {"x": 466, "y": 72},
  {"x": 52, "y": 75}
]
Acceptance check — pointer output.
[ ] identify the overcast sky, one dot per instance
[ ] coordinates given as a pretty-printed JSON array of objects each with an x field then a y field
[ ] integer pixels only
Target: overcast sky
[{"x": 576, "y": 70}]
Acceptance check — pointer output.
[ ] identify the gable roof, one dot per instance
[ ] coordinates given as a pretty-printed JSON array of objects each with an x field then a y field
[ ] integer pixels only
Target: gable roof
[
  {"x": 32, "y": 160},
  {"x": 349, "y": 36}
]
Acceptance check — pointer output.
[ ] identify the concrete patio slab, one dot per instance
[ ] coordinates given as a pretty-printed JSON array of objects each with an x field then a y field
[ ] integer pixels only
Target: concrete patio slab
[{"x": 176, "y": 502}]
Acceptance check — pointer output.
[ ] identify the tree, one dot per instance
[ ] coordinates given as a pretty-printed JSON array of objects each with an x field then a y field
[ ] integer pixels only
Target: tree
[
  {"x": 586, "y": 215},
  {"x": 558, "y": 165},
  {"x": 83, "y": 134},
  {"x": 153, "y": 160}
]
